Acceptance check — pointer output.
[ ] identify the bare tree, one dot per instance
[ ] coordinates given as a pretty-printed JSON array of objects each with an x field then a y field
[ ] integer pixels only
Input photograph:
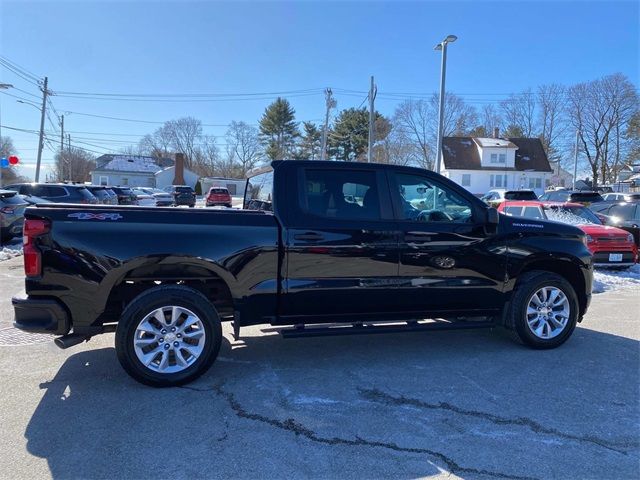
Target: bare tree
[
  {"x": 182, "y": 135},
  {"x": 206, "y": 156},
  {"x": 519, "y": 112},
  {"x": 491, "y": 119},
  {"x": 74, "y": 164},
  {"x": 600, "y": 110},
  {"x": 551, "y": 119},
  {"x": 416, "y": 123},
  {"x": 243, "y": 147}
]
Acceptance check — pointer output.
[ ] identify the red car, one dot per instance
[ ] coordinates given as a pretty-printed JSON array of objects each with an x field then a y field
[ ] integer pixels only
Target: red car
[
  {"x": 218, "y": 196},
  {"x": 610, "y": 246}
]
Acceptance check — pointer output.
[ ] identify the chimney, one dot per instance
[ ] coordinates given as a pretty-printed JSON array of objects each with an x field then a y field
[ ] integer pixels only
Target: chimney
[
  {"x": 496, "y": 132},
  {"x": 178, "y": 174}
]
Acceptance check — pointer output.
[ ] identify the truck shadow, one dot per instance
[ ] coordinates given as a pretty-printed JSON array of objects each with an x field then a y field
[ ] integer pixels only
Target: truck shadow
[{"x": 397, "y": 406}]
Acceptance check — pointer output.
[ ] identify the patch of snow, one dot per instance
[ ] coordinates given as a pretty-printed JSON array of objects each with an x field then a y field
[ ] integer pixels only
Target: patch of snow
[
  {"x": 605, "y": 280},
  {"x": 9, "y": 252},
  {"x": 565, "y": 216},
  {"x": 132, "y": 163}
]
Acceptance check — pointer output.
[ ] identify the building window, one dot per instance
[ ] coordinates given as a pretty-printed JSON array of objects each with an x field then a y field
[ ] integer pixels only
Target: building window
[
  {"x": 104, "y": 180},
  {"x": 498, "y": 181},
  {"x": 535, "y": 183},
  {"x": 125, "y": 181},
  {"x": 466, "y": 179},
  {"x": 538, "y": 182},
  {"x": 502, "y": 158},
  {"x": 494, "y": 158}
]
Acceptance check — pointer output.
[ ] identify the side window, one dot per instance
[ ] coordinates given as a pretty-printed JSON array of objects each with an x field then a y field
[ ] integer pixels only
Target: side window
[
  {"x": 513, "y": 211},
  {"x": 422, "y": 200},
  {"x": 259, "y": 192},
  {"x": 340, "y": 194},
  {"x": 56, "y": 191},
  {"x": 533, "y": 212},
  {"x": 623, "y": 211}
]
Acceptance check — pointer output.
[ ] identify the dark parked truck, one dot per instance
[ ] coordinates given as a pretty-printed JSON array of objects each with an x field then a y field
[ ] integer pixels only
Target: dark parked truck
[{"x": 320, "y": 248}]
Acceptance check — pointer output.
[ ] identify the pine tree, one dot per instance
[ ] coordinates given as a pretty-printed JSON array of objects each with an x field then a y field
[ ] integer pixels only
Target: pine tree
[
  {"x": 278, "y": 129},
  {"x": 310, "y": 142},
  {"x": 349, "y": 138}
]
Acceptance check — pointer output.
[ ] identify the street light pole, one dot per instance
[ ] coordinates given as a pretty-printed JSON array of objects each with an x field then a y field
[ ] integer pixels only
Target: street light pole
[
  {"x": 443, "y": 72},
  {"x": 41, "y": 142}
]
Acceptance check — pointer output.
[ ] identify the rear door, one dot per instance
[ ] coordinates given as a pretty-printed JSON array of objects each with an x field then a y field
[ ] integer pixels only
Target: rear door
[
  {"x": 341, "y": 245},
  {"x": 450, "y": 259}
]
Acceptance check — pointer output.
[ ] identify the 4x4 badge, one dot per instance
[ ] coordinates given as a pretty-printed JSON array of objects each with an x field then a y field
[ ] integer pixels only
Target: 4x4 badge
[{"x": 95, "y": 216}]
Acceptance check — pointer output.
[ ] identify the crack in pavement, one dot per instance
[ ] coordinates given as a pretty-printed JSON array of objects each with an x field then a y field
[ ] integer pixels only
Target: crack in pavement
[
  {"x": 298, "y": 429},
  {"x": 379, "y": 396}
]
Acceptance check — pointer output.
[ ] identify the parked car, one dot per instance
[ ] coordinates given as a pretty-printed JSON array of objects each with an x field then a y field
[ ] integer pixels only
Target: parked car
[
  {"x": 306, "y": 259},
  {"x": 498, "y": 195},
  {"x": 163, "y": 199},
  {"x": 103, "y": 194},
  {"x": 56, "y": 192},
  {"x": 125, "y": 196},
  {"x": 624, "y": 215},
  {"x": 571, "y": 196},
  {"x": 183, "y": 195},
  {"x": 11, "y": 214},
  {"x": 33, "y": 200},
  {"x": 610, "y": 246},
  {"x": 218, "y": 196},
  {"x": 621, "y": 197},
  {"x": 143, "y": 198}
]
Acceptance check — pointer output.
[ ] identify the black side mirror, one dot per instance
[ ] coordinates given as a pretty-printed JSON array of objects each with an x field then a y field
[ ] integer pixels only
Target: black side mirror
[{"x": 493, "y": 217}]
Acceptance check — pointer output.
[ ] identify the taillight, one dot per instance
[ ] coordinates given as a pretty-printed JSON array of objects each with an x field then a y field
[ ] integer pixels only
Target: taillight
[{"x": 32, "y": 256}]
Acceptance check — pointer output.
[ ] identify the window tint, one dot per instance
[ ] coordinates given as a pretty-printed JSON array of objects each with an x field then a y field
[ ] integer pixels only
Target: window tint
[
  {"x": 514, "y": 211},
  {"x": 54, "y": 191},
  {"x": 424, "y": 201},
  {"x": 625, "y": 212},
  {"x": 532, "y": 212},
  {"x": 259, "y": 192},
  {"x": 345, "y": 194},
  {"x": 184, "y": 189}
]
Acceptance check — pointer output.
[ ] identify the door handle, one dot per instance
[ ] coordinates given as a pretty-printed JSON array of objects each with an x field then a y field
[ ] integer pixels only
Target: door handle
[{"x": 309, "y": 237}]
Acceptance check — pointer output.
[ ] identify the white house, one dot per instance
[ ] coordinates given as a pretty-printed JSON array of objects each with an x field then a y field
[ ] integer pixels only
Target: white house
[
  {"x": 137, "y": 171},
  {"x": 481, "y": 164}
]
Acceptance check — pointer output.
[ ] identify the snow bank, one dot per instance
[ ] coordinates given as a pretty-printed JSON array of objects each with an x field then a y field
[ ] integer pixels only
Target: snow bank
[
  {"x": 607, "y": 280},
  {"x": 9, "y": 252}
]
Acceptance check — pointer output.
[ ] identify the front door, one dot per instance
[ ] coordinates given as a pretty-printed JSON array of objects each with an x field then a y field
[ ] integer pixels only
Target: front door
[
  {"x": 449, "y": 261},
  {"x": 342, "y": 246}
]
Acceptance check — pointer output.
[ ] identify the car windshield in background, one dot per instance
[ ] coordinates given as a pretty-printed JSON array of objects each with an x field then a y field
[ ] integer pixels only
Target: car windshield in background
[
  {"x": 587, "y": 197},
  {"x": 184, "y": 189},
  {"x": 573, "y": 215},
  {"x": 520, "y": 195}
]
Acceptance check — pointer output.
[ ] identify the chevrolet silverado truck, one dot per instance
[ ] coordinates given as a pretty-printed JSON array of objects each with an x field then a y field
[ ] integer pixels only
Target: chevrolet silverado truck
[{"x": 319, "y": 248}]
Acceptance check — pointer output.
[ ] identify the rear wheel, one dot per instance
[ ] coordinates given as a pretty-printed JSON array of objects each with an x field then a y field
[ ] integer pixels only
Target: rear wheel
[
  {"x": 168, "y": 336},
  {"x": 544, "y": 309}
]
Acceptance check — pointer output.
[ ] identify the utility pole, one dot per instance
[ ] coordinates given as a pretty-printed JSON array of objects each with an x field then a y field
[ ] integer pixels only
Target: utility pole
[
  {"x": 372, "y": 116},
  {"x": 69, "y": 155},
  {"x": 442, "y": 46},
  {"x": 330, "y": 103},
  {"x": 575, "y": 161},
  {"x": 41, "y": 142},
  {"x": 62, "y": 160}
]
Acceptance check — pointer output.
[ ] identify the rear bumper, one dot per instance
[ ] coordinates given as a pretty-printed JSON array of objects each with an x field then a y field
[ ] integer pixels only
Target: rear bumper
[{"x": 40, "y": 315}]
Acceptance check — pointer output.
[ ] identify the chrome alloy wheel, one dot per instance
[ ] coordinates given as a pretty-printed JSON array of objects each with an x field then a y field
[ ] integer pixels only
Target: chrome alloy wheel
[
  {"x": 169, "y": 339},
  {"x": 548, "y": 312}
]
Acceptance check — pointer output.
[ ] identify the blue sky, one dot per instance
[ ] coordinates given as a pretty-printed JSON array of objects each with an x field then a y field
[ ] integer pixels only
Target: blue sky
[{"x": 256, "y": 47}]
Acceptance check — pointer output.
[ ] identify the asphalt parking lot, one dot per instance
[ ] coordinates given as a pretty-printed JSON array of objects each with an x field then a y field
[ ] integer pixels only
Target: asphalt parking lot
[{"x": 468, "y": 404}]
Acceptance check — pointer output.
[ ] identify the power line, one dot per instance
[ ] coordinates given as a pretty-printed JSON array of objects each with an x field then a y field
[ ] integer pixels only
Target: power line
[{"x": 193, "y": 95}]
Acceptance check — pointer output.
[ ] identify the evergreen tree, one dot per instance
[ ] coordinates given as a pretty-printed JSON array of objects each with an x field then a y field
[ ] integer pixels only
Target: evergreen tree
[
  {"x": 348, "y": 140},
  {"x": 278, "y": 129},
  {"x": 310, "y": 142}
]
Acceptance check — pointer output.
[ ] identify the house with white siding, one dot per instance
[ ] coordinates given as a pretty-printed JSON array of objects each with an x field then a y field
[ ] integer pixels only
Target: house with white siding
[
  {"x": 480, "y": 164},
  {"x": 138, "y": 171}
]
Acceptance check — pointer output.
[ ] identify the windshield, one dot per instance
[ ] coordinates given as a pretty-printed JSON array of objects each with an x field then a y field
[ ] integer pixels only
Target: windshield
[{"x": 573, "y": 215}]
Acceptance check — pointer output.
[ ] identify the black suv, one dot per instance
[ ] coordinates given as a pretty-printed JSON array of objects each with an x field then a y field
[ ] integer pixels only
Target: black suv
[
  {"x": 125, "y": 196},
  {"x": 183, "y": 195},
  {"x": 104, "y": 194},
  {"x": 583, "y": 197},
  {"x": 56, "y": 192}
]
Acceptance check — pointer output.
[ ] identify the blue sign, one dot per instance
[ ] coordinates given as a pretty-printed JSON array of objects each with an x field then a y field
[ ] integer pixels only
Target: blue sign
[{"x": 4, "y": 163}]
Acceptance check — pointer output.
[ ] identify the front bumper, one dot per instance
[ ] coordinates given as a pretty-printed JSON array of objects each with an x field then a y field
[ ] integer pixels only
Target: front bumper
[{"x": 40, "y": 315}]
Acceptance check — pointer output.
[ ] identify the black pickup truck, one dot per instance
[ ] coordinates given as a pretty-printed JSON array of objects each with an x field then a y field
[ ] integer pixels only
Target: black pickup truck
[{"x": 320, "y": 248}]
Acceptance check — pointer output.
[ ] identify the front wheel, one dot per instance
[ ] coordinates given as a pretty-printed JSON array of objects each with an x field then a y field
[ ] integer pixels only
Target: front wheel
[
  {"x": 168, "y": 336},
  {"x": 544, "y": 309}
]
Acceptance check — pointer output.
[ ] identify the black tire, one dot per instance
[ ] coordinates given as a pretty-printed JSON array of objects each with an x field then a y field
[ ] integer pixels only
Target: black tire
[
  {"x": 147, "y": 302},
  {"x": 528, "y": 284}
]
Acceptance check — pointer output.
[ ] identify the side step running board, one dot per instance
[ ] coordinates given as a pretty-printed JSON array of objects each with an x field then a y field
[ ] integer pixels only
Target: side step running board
[{"x": 362, "y": 329}]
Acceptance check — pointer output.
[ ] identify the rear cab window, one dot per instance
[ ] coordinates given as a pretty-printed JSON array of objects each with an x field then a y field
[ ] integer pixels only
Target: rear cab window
[{"x": 259, "y": 192}]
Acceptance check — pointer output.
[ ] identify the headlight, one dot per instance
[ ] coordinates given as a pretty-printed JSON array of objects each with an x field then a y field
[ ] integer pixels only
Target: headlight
[{"x": 630, "y": 238}]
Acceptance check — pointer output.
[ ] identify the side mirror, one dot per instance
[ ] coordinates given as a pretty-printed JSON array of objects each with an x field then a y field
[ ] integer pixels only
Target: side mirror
[{"x": 493, "y": 217}]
